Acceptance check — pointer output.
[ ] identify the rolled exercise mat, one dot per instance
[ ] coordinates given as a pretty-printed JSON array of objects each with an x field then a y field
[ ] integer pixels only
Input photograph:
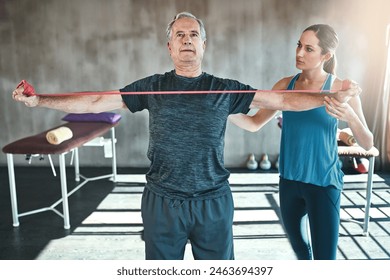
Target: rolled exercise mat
[
  {"x": 347, "y": 138},
  {"x": 59, "y": 135}
]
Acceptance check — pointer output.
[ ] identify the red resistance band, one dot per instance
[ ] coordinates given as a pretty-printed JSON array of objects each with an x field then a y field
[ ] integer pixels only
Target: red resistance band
[{"x": 30, "y": 91}]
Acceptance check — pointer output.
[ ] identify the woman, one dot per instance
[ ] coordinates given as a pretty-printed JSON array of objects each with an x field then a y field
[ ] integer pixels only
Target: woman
[{"x": 311, "y": 179}]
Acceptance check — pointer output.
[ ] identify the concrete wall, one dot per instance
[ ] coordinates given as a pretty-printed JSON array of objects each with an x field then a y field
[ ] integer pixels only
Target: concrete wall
[{"x": 100, "y": 45}]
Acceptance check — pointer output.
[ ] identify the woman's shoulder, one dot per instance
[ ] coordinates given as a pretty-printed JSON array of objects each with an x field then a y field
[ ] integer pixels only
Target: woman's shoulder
[
  {"x": 283, "y": 83},
  {"x": 337, "y": 83}
]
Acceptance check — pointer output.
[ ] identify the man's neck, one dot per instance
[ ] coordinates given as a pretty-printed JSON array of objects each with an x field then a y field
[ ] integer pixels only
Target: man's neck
[{"x": 189, "y": 72}]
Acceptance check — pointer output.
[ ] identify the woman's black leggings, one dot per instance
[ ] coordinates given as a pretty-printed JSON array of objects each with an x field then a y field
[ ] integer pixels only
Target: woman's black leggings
[{"x": 302, "y": 204}]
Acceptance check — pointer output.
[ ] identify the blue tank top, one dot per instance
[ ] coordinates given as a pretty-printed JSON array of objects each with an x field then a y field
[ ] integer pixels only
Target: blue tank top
[{"x": 308, "y": 147}]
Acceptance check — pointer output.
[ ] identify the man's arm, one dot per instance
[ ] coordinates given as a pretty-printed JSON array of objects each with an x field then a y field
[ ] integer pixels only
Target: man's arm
[
  {"x": 72, "y": 103},
  {"x": 301, "y": 101},
  {"x": 283, "y": 101}
]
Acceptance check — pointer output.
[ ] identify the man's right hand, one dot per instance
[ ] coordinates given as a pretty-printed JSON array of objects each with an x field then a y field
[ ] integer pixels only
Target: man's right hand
[{"x": 29, "y": 101}]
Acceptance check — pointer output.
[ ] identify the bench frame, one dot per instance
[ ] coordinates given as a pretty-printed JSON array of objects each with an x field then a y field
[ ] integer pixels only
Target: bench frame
[{"x": 64, "y": 189}]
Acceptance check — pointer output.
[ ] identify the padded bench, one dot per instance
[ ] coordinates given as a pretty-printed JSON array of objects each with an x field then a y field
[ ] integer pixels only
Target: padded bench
[
  {"x": 357, "y": 151},
  {"x": 83, "y": 132}
]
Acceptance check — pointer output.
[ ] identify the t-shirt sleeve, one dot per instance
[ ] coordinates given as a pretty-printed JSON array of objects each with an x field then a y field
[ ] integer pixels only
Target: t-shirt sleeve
[
  {"x": 135, "y": 102},
  {"x": 240, "y": 102}
]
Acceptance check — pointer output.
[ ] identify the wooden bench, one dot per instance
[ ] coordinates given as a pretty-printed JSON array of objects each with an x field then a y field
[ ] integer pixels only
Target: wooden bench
[{"x": 83, "y": 133}]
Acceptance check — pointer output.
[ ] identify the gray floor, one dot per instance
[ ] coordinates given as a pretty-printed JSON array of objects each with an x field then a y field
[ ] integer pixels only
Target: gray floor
[{"x": 106, "y": 223}]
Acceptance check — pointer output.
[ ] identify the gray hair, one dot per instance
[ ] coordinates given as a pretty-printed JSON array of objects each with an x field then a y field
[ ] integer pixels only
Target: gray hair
[{"x": 186, "y": 15}]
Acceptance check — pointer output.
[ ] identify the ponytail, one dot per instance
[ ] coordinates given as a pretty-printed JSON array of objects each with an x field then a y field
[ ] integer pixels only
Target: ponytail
[{"x": 330, "y": 65}]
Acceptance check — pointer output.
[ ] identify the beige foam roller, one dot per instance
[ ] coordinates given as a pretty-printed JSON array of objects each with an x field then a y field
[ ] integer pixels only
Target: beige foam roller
[
  {"x": 347, "y": 138},
  {"x": 59, "y": 135}
]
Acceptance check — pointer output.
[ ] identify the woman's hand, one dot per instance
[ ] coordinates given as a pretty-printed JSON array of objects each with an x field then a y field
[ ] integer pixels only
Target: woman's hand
[{"x": 341, "y": 111}]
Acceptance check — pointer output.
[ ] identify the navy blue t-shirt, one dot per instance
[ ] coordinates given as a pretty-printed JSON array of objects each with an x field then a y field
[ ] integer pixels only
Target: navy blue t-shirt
[{"x": 187, "y": 131}]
